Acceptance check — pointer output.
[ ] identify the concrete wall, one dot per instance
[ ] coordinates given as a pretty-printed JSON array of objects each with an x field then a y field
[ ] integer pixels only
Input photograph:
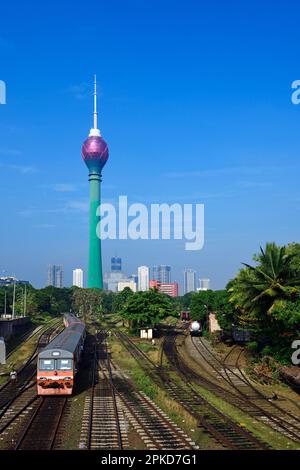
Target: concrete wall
[
  {"x": 213, "y": 323},
  {"x": 11, "y": 327}
]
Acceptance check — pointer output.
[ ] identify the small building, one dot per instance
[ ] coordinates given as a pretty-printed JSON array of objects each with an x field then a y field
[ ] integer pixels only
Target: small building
[
  {"x": 2, "y": 351},
  {"x": 127, "y": 283},
  {"x": 146, "y": 333}
]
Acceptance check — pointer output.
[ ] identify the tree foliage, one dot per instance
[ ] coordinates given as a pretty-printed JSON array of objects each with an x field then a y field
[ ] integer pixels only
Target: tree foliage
[
  {"x": 267, "y": 297},
  {"x": 120, "y": 299},
  {"x": 91, "y": 303},
  {"x": 145, "y": 309},
  {"x": 256, "y": 289}
]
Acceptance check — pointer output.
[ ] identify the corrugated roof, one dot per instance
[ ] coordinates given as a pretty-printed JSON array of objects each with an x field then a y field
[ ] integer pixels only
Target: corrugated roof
[{"x": 69, "y": 338}]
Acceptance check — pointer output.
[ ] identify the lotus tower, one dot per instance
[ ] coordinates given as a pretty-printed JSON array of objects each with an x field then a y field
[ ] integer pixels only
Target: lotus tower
[{"x": 95, "y": 155}]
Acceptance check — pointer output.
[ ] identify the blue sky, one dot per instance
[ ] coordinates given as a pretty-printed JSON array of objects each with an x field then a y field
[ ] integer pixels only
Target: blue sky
[{"x": 195, "y": 104}]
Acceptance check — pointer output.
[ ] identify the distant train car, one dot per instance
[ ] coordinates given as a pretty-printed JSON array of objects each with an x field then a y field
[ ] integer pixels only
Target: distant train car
[
  {"x": 58, "y": 361},
  {"x": 185, "y": 315},
  {"x": 195, "y": 328}
]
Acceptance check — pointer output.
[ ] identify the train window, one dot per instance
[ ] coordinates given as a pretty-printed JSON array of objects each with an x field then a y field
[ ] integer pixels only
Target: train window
[
  {"x": 64, "y": 364},
  {"x": 46, "y": 364}
]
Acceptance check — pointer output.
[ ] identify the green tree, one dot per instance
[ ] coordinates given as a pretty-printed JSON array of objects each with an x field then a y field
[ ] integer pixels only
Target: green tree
[
  {"x": 120, "y": 299},
  {"x": 201, "y": 306},
  {"x": 288, "y": 312},
  {"x": 256, "y": 288},
  {"x": 293, "y": 249},
  {"x": 88, "y": 303},
  {"x": 145, "y": 309},
  {"x": 225, "y": 312}
]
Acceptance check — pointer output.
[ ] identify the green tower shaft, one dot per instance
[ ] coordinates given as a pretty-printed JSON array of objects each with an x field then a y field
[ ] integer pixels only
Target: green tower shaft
[{"x": 95, "y": 278}]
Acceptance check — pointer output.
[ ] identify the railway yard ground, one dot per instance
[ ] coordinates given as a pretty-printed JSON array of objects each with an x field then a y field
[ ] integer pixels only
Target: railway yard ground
[{"x": 130, "y": 394}]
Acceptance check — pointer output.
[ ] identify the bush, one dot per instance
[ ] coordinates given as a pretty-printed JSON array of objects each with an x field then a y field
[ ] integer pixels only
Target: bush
[
  {"x": 267, "y": 351},
  {"x": 252, "y": 347}
]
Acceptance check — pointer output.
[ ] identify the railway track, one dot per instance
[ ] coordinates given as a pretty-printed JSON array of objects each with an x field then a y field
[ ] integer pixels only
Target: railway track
[
  {"x": 115, "y": 402},
  {"x": 155, "y": 429},
  {"x": 101, "y": 428},
  {"x": 26, "y": 373},
  {"x": 219, "y": 426},
  {"x": 248, "y": 398},
  {"x": 20, "y": 400},
  {"x": 40, "y": 432}
]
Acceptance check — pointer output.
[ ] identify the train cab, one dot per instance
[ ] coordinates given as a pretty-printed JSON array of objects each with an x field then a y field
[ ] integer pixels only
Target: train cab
[{"x": 55, "y": 372}]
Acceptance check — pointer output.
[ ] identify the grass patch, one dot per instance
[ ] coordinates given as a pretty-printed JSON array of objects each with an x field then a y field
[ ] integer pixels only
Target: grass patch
[{"x": 146, "y": 347}]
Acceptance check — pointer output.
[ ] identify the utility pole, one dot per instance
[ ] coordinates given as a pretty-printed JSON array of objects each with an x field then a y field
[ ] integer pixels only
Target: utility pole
[
  {"x": 14, "y": 300},
  {"x": 25, "y": 301},
  {"x": 5, "y": 302}
]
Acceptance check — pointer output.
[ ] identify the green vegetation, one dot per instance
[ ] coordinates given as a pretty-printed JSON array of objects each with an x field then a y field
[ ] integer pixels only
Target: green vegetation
[
  {"x": 50, "y": 300},
  {"x": 263, "y": 299},
  {"x": 91, "y": 303},
  {"x": 266, "y": 298},
  {"x": 42, "y": 304},
  {"x": 204, "y": 302},
  {"x": 145, "y": 309}
]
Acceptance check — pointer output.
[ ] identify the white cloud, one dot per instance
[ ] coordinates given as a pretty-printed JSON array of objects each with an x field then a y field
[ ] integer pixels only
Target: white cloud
[
  {"x": 23, "y": 169},
  {"x": 61, "y": 187},
  {"x": 9, "y": 152},
  {"x": 81, "y": 206}
]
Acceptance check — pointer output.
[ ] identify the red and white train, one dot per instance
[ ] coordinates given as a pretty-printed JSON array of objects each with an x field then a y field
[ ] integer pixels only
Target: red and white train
[{"x": 58, "y": 361}]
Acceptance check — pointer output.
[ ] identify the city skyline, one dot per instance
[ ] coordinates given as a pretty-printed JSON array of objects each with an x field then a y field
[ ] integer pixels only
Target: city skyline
[
  {"x": 145, "y": 275},
  {"x": 239, "y": 132}
]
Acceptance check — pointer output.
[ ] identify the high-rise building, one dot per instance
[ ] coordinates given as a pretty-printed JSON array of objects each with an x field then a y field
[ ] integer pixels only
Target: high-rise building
[
  {"x": 162, "y": 273},
  {"x": 204, "y": 284},
  {"x": 78, "y": 277},
  {"x": 55, "y": 275},
  {"x": 189, "y": 280},
  {"x": 95, "y": 155},
  {"x": 143, "y": 278},
  {"x": 170, "y": 288},
  {"x": 116, "y": 264}
]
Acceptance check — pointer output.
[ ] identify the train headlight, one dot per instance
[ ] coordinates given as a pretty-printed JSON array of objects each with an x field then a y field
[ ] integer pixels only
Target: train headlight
[{"x": 68, "y": 378}]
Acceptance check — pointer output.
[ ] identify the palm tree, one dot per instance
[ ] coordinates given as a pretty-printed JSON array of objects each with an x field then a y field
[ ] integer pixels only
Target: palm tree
[{"x": 256, "y": 288}]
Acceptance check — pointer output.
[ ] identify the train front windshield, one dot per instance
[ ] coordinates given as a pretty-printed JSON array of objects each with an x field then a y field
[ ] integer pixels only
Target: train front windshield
[
  {"x": 47, "y": 364},
  {"x": 56, "y": 364},
  {"x": 64, "y": 364}
]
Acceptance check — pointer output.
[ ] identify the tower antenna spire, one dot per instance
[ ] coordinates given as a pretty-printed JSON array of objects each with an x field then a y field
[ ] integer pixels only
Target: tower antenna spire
[
  {"x": 95, "y": 132},
  {"x": 95, "y": 104}
]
